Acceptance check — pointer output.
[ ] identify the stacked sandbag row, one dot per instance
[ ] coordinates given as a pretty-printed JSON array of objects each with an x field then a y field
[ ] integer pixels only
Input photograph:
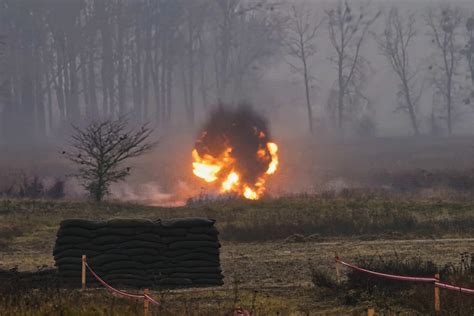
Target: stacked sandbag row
[
  {"x": 140, "y": 253},
  {"x": 192, "y": 252}
]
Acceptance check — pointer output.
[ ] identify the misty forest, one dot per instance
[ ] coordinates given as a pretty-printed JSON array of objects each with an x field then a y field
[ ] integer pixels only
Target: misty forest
[
  {"x": 236, "y": 157},
  {"x": 333, "y": 68}
]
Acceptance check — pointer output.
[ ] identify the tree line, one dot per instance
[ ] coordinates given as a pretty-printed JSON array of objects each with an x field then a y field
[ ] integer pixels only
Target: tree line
[
  {"x": 75, "y": 61},
  {"x": 448, "y": 63}
]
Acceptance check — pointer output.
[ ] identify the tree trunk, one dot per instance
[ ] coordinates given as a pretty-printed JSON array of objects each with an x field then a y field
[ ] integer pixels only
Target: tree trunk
[
  {"x": 39, "y": 95},
  {"x": 74, "y": 113},
  {"x": 93, "y": 109},
  {"x": 169, "y": 93},
  {"x": 137, "y": 64},
  {"x": 120, "y": 60},
  {"x": 341, "y": 92},
  {"x": 306, "y": 86},
  {"x": 411, "y": 110}
]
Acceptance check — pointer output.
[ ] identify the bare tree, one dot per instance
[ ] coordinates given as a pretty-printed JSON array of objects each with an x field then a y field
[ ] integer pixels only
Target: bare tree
[
  {"x": 100, "y": 149},
  {"x": 347, "y": 32},
  {"x": 394, "y": 44},
  {"x": 468, "y": 53},
  {"x": 302, "y": 31},
  {"x": 243, "y": 36},
  {"x": 444, "y": 24},
  {"x": 191, "y": 34},
  {"x": 81, "y": 59}
]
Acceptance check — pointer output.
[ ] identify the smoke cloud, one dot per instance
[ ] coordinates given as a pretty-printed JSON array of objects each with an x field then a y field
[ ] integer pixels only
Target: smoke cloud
[{"x": 241, "y": 129}]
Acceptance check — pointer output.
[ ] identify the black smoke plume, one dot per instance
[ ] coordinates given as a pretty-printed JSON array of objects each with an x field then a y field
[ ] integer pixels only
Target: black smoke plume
[{"x": 242, "y": 129}]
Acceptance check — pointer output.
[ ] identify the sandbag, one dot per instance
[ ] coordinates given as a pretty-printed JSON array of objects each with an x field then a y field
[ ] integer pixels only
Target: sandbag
[
  {"x": 106, "y": 258},
  {"x": 187, "y": 222},
  {"x": 195, "y": 256},
  {"x": 94, "y": 247},
  {"x": 193, "y": 244},
  {"x": 130, "y": 283},
  {"x": 81, "y": 223},
  {"x": 110, "y": 239},
  {"x": 133, "y": 244},
  {"x": 148, "y": 237},
  {"x": 125, "y": 222},
  {"x": 147, "y": 259},
  {"x": 68, "y": 260},
  {"x": 71, "y": 240},
  {"x": 125, "y": 264},
  {"x": 75, "y": 253},
  {"x": 215, "y": 269},
  {"x": 209, "y": 281},
  {"x": 189, "y": 237},
  {"x": 76, "y": 231},
  {"x": 124, "y": 276},
  {"x": 133, "y": 252},
  {"x": 193, "y": 276},
  {"x": 58, "y": 249},
  {"x": 138, "y": 251},
  {"x": 157, "y": 266},
  {"x": 204, "y": 230},
  {"x": 122, "y": 231},
  {"x": 138, "y": 272},
  {"x": 163, "y": 231},
  {"x": 179, "y": 252},
  {"x": 196, "y": 263},
  {"x": 175, "y": 281}
]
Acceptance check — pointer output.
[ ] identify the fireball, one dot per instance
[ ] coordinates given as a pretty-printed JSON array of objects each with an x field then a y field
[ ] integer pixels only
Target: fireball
[{"x": 234, "y": 153}]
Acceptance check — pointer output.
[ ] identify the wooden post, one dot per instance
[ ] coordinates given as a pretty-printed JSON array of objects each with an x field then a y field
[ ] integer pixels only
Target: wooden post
[
  {"x": 145, "y": 303},
  {"x": 84, "y": 258},
  {"x": 370, "y": 311},
  {"x": 338, "y": 269},
  {"x": 437, "y": 304}
]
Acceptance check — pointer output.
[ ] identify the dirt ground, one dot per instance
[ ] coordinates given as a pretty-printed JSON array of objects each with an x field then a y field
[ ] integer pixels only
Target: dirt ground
[
  {"x": 277, "y": 273},
  {"x": 273, "y": 276},
  {"x": 286, "y": 264}
]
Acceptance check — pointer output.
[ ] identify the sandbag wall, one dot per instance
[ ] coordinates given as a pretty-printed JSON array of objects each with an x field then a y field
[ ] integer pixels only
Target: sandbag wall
[{"x": 140, "y": 253}]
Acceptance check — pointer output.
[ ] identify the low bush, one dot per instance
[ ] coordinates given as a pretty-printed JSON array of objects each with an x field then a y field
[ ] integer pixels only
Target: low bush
[
  {"x": 32, "y": 187},
  {"x": 358, "y": 286}
]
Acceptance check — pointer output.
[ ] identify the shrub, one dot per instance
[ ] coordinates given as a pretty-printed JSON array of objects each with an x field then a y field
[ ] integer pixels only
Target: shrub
[
  {"x": 33, "y": 187},
  {"x": 321, "y": 279},
  {"x": 417, "y": 296}
]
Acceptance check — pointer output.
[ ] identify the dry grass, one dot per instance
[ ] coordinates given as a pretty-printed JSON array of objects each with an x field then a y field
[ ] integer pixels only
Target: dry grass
[
  {"x": 417, "y": 296},
  {"x": 260, "y": 251},
  {"x": 349, "y": 213}
]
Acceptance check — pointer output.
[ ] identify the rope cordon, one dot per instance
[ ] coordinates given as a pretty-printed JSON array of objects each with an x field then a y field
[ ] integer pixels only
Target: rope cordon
[
  {"x": 120, "y": 292},
  {"x": 407, "y": 278}
]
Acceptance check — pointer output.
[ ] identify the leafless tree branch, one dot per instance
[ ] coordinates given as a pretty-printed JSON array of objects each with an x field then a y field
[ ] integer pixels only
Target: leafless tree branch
[{"x": 100, "y": 148}]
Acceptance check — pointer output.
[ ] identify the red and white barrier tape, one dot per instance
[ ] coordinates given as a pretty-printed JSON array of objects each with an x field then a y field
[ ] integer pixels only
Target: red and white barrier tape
[
  {"x": 120, "y": 292},
  {"x": 239, "y": 311},
  {"x": 408, "y": 278},
  {"x": 151, "y": 299},
  {"x": 454, "y": 288},
  {"x": 386, "y": 275}
]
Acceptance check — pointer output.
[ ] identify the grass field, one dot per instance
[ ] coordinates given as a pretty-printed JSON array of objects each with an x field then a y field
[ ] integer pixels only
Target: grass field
[{"x": 268, "y": 249}]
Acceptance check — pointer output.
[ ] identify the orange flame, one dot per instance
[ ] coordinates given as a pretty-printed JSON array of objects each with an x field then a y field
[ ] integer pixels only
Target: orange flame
[
  {"x": 223, "y": 170},
  {"x": 273, "y": 149}
]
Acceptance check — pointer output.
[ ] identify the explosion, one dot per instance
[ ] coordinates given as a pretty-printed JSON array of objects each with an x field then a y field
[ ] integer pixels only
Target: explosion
[{"x": 234, "y": 152}]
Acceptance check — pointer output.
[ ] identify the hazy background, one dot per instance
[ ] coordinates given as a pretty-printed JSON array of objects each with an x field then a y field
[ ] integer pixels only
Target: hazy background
[{"x": 168, "y": 62}]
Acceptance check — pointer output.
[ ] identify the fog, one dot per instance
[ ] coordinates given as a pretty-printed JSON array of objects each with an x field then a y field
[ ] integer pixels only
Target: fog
[{"x": 171, "y": 62}]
